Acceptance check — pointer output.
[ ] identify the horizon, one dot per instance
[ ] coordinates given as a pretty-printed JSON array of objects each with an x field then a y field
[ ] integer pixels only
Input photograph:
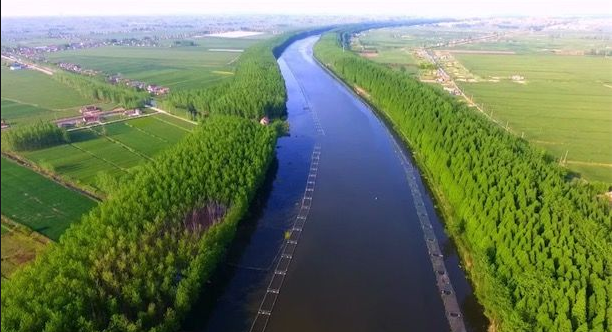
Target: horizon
[{"x": 383, "y": 8}]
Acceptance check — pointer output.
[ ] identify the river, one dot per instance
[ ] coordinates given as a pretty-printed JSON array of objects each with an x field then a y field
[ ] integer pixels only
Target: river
[{"x": 342, "y": 239}]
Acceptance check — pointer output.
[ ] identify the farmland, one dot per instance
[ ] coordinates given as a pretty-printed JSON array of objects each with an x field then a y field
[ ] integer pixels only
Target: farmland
[
  {"x": 40, "y": 204},
  {"x": 182, "y": 67},
  {"x": 111, "y": 149},
  {"x": 564, "y": 106},
  {"x": 19, "y": 85},
  {"x": 52, "y": 99},
  {"x": 560, "y": 98}
]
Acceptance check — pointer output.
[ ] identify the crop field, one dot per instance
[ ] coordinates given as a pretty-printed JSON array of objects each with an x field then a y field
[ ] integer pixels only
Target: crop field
[
  {"x": 29, "y": 96},
  {"x": 565, "y": 104},
  {"x": 178, "y": 68},
  {"x": 412, "y": 37},
  {"x": 112, "y": 148},
  {"x": 560, "y": 102},
  {"x": 575, "y": 43},
  {"x": 42, "y": 205},
  {"x": 35, "y": 88}
]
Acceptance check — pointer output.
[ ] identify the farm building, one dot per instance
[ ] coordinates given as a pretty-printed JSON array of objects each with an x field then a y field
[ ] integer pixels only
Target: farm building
[
  {"x": 89, "y": 109},
  {"x": 5, "y": 125},
  {"x": 264, "y": 121},
  {"x": 90, "y": 118},
  {"x": 133, "y": 112}
]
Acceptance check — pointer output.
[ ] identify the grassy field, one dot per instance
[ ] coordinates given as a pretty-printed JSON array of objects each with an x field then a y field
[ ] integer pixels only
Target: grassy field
[
  {"x": 175, "y": 67},
  {"x": 42, "y": 205},
  {"x": 35, "y": 88},
  {"x": 565, "y": 104},
  {"x": 544, "y": 43},
  {"x": 18, "y": 249},
  {"x": 113, "y": 148},
  {"x": 29, "y": 96}
]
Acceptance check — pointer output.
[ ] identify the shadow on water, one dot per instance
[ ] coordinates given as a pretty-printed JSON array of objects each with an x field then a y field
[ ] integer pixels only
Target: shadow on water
[{"x": 213, "y": 289}]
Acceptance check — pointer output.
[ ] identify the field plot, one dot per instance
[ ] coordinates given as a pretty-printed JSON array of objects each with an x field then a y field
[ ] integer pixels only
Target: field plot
[
  {"x": 565, "y": 43},
  {"x": 561, "y": 103},
  {"x": 44, "y": 206},
  {"x": 178, "y": 68},
  {"x": 18, "y": 249},
  {"x": 112, "y": 148},
  {"x": 29, "y": 96},
  {"x": 544, "y": 85},
  {"x": 35, "y": 88}
]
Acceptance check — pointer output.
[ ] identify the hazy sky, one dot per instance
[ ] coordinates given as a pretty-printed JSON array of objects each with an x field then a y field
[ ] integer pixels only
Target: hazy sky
[{"x": 394, "y": 7}]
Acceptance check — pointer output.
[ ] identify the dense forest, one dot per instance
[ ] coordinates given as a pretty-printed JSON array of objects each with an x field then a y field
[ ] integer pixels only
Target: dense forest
[
  {"x": 35, "y": 136},
  {"x": 98, "y": 89},
  {"x": 256, "y": 90},
  {"x": 138, "y": 260},
  {"x": 536, "y": 240}
]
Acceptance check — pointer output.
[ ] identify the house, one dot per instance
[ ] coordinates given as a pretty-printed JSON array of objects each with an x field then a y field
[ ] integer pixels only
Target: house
[
  {"x": 264, "y": 121},
  {"x": 133, "y": 112},
  {"x": 90, "y": 118},
  {"x": 89, "y": 109},
  {"x": 5, "y": 125}
]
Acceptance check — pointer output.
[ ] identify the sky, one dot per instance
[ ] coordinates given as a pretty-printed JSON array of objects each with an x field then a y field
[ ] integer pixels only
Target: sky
[{"x": 431, "y": 8}]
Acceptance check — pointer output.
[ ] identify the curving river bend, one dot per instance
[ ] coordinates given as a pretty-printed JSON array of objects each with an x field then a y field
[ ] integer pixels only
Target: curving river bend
[{"x": 341, "y": 241}]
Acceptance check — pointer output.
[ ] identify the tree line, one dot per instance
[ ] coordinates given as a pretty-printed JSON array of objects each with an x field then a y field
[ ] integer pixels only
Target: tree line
[
  {"x": 96, "y": 88},
  {"x": 538, "y": 240},
  {"x": 35, "y": 136},
  {"x": 138, "y": 260},
  {"x": 256, "y": 90}
]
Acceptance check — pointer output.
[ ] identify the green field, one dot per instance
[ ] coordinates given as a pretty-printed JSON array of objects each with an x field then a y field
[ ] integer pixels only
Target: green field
[
  {"x": 564, "y": 106},
  {"x": 113, "y": 150},
  {"x": 39, "y": 203},
  {"x": 29, "y": 96},
  {"x": 544, "y": 43},
  {"x": 175, "y": 67},
  {"x": 35, "y": 88}
]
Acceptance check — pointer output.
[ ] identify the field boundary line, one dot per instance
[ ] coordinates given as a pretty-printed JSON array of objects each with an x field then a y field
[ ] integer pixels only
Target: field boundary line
[
  {"x": 587, "y": 163},
  {"x": 147, "y": 133},
  {"x": 98, "y": 157},
  {"x": 159, "y": 110},
  {"x": 51, "y": 176},
  {"x": 170, "y": 123},
  {"x": 123, "y": 145}
]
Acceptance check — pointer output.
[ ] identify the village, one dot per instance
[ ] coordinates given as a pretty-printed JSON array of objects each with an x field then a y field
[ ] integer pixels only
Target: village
[{"x": 92, "y": 115}]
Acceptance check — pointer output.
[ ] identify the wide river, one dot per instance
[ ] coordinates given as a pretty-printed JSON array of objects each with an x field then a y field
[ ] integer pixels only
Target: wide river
[{"x": 343, "y": 237}]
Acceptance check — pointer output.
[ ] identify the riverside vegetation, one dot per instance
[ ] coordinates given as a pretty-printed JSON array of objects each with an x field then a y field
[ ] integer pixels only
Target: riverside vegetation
[
  {"x": 138, "y": 260},
  {"x": 536, "y": 241}
]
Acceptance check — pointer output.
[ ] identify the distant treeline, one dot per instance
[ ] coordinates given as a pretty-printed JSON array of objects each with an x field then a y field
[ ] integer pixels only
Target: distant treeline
[
  {"x": 96, "y": 88},
  {"x": 36, "y": 136},
  {"x": 256, "y": 90},
  {"x": 537, "y": 241},
  {"x": 138, "y": 261}
]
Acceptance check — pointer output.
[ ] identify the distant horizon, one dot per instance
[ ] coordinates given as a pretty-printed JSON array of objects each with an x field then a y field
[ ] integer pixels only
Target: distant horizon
[
  {"x": 395, "y": 8},
  {"x": 236, "y": 14}
]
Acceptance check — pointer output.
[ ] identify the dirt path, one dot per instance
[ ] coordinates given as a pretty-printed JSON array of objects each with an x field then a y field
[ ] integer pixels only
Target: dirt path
[
  {"x": 170, "y": 114},
  {"x": 587, "y": 163}
]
